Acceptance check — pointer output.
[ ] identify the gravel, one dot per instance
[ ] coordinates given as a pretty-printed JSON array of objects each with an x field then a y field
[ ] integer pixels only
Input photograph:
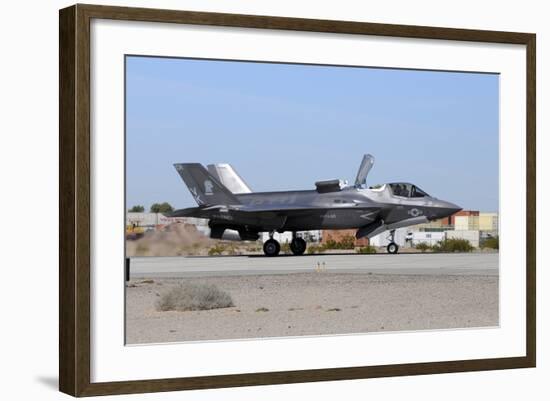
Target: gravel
[{"x": 308, "y": 304}]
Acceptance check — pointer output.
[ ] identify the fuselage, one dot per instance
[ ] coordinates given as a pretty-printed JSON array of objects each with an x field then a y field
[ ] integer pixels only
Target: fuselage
[{"x": 348, "y": 208}]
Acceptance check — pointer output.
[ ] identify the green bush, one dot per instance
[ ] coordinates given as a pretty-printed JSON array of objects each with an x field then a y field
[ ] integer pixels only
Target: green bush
[
  {"x": 422, "y": 246},
  {"x": 453, "y": 245},
  {"x": 366, "y": 249},
  {"x": 491, "y": 243}
]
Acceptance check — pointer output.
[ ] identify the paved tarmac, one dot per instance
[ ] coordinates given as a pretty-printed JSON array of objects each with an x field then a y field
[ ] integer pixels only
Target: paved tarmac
[{"x": 414, "y": 264}]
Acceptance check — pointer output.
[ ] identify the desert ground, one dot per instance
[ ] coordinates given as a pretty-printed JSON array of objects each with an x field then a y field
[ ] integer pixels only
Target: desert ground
[{"x": 313, "y": 302}]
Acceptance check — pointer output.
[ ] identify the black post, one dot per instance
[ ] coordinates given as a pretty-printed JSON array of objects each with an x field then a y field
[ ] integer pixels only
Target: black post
[{"x": 127, "y": 269}]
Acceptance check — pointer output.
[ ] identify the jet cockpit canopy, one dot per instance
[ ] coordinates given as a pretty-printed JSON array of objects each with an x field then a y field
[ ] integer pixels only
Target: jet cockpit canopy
[{"x": 406, "y": 190}]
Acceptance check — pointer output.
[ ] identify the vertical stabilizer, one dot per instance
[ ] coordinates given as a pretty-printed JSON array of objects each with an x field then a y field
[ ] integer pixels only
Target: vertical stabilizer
[
  {"x": 205, "y": 188},
  {"x": 226, "y": 174}
]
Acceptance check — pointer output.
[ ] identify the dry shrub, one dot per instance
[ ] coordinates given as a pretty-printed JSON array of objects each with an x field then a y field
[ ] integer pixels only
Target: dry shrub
[
  {"x": 222, "y": 248},
  {"x": 181, "y": 239},
  {"x": 177, "y": 239},
  {"x": 189, "y": 297},
  {"x": 346, "y": 242}
]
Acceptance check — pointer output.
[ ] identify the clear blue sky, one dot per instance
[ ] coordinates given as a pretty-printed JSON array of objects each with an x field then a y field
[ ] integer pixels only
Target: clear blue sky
[{"x": 286, "y": 126}]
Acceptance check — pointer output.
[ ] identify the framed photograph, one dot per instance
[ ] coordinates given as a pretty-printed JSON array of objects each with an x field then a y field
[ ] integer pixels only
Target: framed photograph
[{"x": 249, "y": 200}]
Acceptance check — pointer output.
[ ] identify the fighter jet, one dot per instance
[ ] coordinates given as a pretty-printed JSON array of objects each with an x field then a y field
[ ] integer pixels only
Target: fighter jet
[{"x": 228, "y": 203}]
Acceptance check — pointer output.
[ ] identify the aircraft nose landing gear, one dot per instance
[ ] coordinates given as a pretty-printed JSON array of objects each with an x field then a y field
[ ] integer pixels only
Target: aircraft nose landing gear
[{"x": 392, "y": 246}]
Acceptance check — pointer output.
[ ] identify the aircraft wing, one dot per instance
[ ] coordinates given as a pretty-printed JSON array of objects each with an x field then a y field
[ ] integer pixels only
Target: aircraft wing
[
  {"x": 207, "y": 211},
  {"x": 188, "y": 212},
  {"x": 269, "y": 217},
  {"x": 295, "y": 210}
]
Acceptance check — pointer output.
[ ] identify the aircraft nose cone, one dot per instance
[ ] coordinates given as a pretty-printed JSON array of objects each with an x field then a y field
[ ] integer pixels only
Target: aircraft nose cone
[
  {"x": 454, "y": 208},
  {"x": 450, "y": 208}
]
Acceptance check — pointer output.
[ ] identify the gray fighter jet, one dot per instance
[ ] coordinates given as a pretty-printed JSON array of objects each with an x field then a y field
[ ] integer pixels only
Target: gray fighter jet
[{"x": 332, "y": 205}]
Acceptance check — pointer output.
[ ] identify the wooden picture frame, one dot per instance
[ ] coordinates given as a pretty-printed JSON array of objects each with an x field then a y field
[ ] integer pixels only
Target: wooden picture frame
[{"x": 74, "y": 199}]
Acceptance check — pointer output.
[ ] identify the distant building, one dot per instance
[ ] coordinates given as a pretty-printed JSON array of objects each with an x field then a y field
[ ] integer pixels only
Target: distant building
[
  {"x": 488, "y": 222},
  {"x": 434, "y": 226},
  {"x": 466, "y": 220},
  {"x": 309, "y": 236},
  {"x": 312, "y": 235},
  {"x": 472, "y": 236},
  {"x": 482, "y": 222},
  {"x": 401, "y": 237},
  {"x": 470, "y": 225},
  {"x": 339, "y": 235},
  {"x": 427, "y": 237},
  {"x": 283, "y": 238},
  {"x": 463, "y": 223}
]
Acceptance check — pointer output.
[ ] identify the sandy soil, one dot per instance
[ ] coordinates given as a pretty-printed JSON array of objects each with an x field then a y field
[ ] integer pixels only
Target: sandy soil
[{"x": 314, "y": 303}]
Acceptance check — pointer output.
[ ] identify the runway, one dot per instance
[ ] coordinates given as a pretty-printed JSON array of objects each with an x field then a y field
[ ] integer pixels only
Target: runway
[{"x": 411, "y": 264}]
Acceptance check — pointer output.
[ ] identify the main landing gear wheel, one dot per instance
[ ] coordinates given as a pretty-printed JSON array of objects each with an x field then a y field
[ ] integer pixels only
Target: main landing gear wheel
[
  {"x": 298, "y": 246},
  {"x": 392, "y": 247},
  {"x": 271, "y": 247}
]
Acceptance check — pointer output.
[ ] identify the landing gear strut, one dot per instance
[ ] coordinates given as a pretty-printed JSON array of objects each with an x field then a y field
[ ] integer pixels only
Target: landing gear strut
[
  {"x": 271, "y": 246},
  {"x": 392, "y": 246},
  {"x": 297, "y": 245}
]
